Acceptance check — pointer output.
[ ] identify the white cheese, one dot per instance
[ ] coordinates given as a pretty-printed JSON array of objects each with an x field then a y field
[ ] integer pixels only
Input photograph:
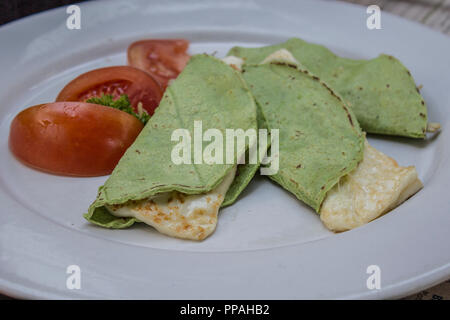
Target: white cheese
[
  {"x": 433, "y": 126},
  {"x": 376, "y": 186},
  {"x": 281, "y": 55},
  {"x": 179, "y": 215},
  {"x": 234, "y": 62}
]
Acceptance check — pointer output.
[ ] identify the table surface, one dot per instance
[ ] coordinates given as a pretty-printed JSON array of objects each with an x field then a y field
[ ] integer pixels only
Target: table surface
[{"x": 432, "y": 13}]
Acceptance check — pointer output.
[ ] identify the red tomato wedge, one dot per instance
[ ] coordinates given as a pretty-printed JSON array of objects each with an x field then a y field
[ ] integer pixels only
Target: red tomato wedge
[
  {"x": 72, "y": 138},
  {"x": 137, "y": 84},
  {"x": 164, "y": 59}
]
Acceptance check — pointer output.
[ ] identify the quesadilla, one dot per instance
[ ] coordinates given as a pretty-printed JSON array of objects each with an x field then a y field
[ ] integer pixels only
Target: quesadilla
[
  {"x": 320, "y": 140},
  {"x": 380, "y": 91},
  {"x": 377, "y": 185},
  {"x": 180, "y": 200}
]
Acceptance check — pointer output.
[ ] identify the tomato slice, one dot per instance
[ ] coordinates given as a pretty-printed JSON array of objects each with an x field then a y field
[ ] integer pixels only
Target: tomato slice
[
  {"x": 72, "y": 138},
  {"x": 138, "y": 85},
  {"x": 164, "y": 59}
]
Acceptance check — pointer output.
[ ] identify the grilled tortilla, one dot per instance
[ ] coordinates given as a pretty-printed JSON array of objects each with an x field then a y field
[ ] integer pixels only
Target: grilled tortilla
[
  {"x": 380, "y": 91},
  {"x": 376, "y": 186},
  {"x": 179, "y": 200},
  {"x": 320, "y": 140}
]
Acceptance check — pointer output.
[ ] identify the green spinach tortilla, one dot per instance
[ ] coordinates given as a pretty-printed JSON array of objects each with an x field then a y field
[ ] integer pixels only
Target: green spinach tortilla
[
  {"x": 245, "y": 172},
  {"x": 208, "y": 90},
  {"x": 319, "y": 137},
  {"x": 380, "y": 91}
]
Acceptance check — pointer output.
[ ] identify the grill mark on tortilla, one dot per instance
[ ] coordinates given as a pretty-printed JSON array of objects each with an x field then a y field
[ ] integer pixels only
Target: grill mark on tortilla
[
  {"x": 316, "y": 78},
  {"x": 280, "y": 63}
]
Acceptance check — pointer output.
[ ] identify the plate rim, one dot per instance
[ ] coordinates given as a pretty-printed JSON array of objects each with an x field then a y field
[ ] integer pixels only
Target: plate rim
[{"x": 393, "y": 291}]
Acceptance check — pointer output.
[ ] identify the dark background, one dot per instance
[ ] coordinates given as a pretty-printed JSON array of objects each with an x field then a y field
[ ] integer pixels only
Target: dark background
[{"x": 14, "y": 9}]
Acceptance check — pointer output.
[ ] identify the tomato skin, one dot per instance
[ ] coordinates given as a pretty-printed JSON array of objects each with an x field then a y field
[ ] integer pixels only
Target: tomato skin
[
  {"x": 137, "y": 84},
  {"x": 164, "y": 59},
  {"x": 72, "y": 138}
]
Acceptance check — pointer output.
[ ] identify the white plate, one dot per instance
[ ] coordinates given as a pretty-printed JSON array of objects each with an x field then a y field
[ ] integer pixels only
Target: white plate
[{"x": 268, "y": 245}]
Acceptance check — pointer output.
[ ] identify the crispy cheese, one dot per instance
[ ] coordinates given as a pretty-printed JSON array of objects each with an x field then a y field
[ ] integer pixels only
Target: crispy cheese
[
  {"x": 281, "y": 55},
  {"x": 375, "y": 187},
  {"x": 179, "y": 215},
  {"x": 235, "y": 62}
]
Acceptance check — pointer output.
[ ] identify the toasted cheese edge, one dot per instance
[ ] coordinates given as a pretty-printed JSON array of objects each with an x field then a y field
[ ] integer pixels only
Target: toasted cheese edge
[
  {"x": 178, "y": 215},
  {"x": 340, "y": 210},
  {"x": 281, "y": 55}
]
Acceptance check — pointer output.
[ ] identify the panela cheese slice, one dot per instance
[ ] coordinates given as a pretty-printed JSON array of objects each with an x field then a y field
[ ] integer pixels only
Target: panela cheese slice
[
  {"x": 176, "y": 214},
  {"x": 281, "y": 55},
  {"x": 376, "y": 186},
  {"x": 149, "y": 186},
  {"x": 234, "y": 62}
]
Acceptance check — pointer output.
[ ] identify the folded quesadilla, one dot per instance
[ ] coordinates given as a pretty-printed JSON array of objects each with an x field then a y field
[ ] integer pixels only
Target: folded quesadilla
[
  {"x": 320, "y": 140},
  {"x": 380, "y": 91},
  {"x": 288, "y": 100},
  {"x": 180, "y": 200},
  {"x": 244, "y": 172}
]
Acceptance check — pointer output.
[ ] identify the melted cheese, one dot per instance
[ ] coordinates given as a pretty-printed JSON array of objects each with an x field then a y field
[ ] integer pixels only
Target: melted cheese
[
  {"x": 234, "y": 62},
  {"x": 281, "y": 55},
  {"x": 376, "y": 186},
  {"x": 179, "y": 215},
  {"x": 433, "y": 126}
]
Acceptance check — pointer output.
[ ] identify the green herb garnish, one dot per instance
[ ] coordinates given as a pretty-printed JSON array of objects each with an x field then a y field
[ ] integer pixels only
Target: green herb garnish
[{"x": 123, "y": 104}]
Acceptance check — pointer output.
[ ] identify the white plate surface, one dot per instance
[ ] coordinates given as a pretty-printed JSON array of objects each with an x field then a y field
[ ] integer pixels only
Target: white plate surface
[{"x": 268, "y": 245}]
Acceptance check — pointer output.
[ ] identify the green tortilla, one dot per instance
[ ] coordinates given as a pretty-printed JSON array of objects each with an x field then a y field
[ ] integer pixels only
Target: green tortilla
[
  {"x": 245, "y": 172},
  {"x": 380, "y": 91},
  {"x": 207, "y": 90},
  {"x": 319, "y": 137}
]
